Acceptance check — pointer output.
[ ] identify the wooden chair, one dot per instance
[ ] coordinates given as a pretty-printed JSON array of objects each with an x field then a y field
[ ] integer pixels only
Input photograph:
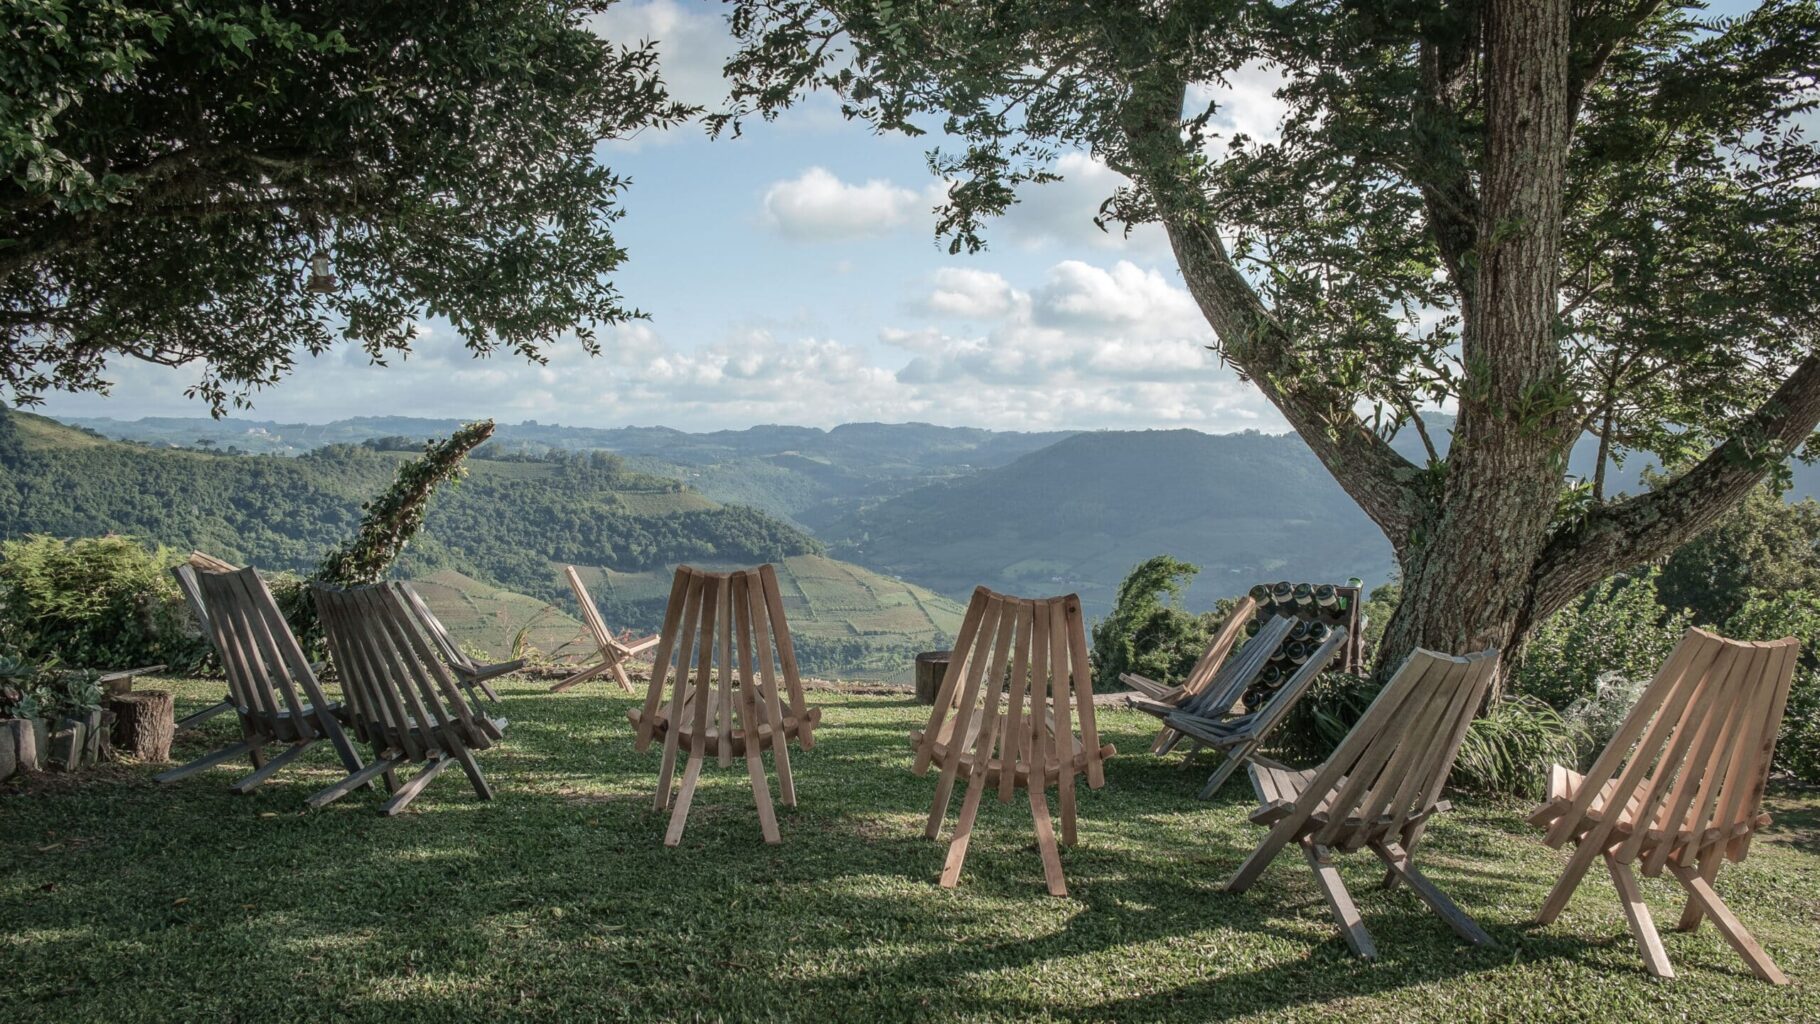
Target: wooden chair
[
  {"x": 271, "y": 685},
  {"x": 1160, "y": 701},
  {"x": 733, "y": 622},
  {"x": 1378, "y": 790},
  {"x": 473, "y": 675},
  {"x": 1011, "y": 649},
  {"x": 613, "y": 654},
  {"x": 402, "y": 698},
  {"x": 1239, "y": 737},
  {"x": 1686, "y": 773}
]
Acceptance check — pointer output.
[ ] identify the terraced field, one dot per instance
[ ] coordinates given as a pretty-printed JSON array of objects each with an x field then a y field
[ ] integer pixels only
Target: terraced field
[{"x": 487, "y": 620}]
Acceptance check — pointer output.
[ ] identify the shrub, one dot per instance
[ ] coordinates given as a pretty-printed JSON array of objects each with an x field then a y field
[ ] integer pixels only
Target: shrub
[
  {"x": 1767, "y": 615},
  {"x": 101, "y": 602},
  {"x": 1329, "y": 709},
  {"x": 1619, "y": 626},
  {"x": 1146, "y": 633},
  {"x": 1508, "y": 749}
]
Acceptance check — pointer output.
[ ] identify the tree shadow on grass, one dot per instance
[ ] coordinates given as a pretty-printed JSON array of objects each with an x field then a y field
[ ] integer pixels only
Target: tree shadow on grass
[{"x": 558, "y": 901}]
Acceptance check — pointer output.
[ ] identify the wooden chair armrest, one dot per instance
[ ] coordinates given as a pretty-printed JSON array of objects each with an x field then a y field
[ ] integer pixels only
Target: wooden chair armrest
[
  {"x": 504, "y": 668},
  {"x": 641, "y": 646},
  {"x": 1150, "y": 687}
]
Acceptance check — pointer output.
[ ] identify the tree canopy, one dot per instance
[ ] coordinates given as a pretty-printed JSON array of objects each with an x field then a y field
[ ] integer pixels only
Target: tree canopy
[
  {"x": 1558, "y": 216},
  {"x": 173, "y": 169}
]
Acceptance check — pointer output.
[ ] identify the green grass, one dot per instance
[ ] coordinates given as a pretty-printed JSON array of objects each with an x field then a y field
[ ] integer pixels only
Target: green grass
[{"x": 124, "y": 901}]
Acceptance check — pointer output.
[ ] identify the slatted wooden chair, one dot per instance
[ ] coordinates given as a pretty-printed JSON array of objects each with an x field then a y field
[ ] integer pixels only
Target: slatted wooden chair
[
  {"x": 271, "y": 686},
  {"x": 402, "y": 698},
  {"x": 1685, "y": 774},
  {"x": 613, "y": 653},
  {"x": 1378, "y": 790},
  {"x": 1160, "y": 700},
  {"x": 1237, "y": 738},
  {"x": 1005, "y": 717},
  {"x": 471, "y": 673},
  {"x": 733, "y": 622}
]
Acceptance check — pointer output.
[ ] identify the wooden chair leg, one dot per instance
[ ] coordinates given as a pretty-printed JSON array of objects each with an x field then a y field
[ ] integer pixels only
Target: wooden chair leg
[
  {"x": 255, "y": 753},
  {"x": 1234, "y": 758},
  {"x": 679, "y": 816},
  {"x": 193, "y": 720},
  {"x": 1165, "y": 738},
  {"x": 1642, "y": 925},
  {"x": 1045, "y": 842},
  {"x": 963, "y": 831},
  {"x": 1065, "y": 793},
  {"x": 206, "y": 761},
  {"x": 1255, "y": 864},
  {"x": 472, "y": 768},
  {"x": 382, "y": 765},
  {"x": 666, "y": 771},
  {"x": 938, "y": 808},
  {"x": 1397, "y": 859},
  {"x": 1702, "y": 892},
  {"x": 408, "y": 792},
  {"x": 619, "y": 673},
  {"x": 761, "y": 790},
  {"x": 270, "y": 768},
  {"x": 1577, "y": 865},
  {"x": 1345, "y": 914},
  {"x": 579, "y": 677},
  {"x": 1692, "y": 915}
]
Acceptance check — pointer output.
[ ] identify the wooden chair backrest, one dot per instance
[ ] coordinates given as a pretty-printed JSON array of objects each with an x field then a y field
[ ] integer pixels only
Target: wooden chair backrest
[
  {"x": 1271, "y": 714},
  {"x": 590, "y": 613},
  {"x": 714, "y": 618},
  {"x": 1020, "y": 671},
  {"x": 1692, "y": 758},
  {"x": 1231, "y": 632},
  {"x": 1393, "y": 764},
  {"x": 266, "y": 670},
  {"x": 399, "y": 692},
  {"x": 185, "y": 572},
  {"x": 1237, "y": 674},
  {"x": 434, "y": 629}
]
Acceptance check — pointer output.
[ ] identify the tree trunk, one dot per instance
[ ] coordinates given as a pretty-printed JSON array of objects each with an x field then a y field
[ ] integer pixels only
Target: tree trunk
[{"x": 144, "y": 723}]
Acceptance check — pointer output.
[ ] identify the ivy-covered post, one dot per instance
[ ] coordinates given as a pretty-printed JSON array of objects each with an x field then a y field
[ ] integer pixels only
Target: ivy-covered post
[{"x": 393, "y": 518}]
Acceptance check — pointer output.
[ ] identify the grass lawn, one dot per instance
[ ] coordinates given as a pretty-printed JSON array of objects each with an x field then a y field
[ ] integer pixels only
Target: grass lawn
[{"x": 124, "y": 901}]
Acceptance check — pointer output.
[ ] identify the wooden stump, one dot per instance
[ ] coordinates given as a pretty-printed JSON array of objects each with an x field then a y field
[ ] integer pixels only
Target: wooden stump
[
  {"x": 931, "y": 666},
  {"x": 144, "y": 722}
]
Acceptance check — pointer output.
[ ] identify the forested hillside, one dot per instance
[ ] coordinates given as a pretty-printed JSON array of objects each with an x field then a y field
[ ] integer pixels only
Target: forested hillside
[
  {"x": 511, "y": 523},
  {"x": 804, "y": 475},
  {"x": 1080, "y": 514}
]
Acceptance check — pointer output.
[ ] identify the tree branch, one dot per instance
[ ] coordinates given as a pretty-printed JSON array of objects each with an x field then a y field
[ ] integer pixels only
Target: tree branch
[
  {"x": 1383, "y": 482},
  {"x": 1617, "y": 536}
]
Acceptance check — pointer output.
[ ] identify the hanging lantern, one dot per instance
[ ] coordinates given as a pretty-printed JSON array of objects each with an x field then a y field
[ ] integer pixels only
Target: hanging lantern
[{"x": 322, "y": 279}]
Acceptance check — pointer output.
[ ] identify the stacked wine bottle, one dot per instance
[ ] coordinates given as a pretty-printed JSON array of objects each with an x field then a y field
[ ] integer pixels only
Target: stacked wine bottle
[{"x": 1319, "y": 609}]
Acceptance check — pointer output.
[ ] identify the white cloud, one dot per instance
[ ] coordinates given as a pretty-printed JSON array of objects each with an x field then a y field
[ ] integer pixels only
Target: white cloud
[
  {"x": 1245, "y": 103},
  {"x": 972, "y": 294},
  {"x": 818, "y": 206},
  {"x": 1061, "y": 213}
]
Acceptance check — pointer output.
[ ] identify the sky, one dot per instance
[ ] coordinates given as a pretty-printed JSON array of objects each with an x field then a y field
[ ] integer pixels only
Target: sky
[{"x": 792, "y": 276}]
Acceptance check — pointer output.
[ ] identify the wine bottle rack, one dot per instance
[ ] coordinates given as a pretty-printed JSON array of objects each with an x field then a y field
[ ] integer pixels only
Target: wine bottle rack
[{"x": 1317, "y": 607}]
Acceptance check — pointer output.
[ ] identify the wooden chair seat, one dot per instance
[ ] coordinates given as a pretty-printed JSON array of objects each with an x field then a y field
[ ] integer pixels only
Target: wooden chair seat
[
  {"x": 792, "y": 730},
  {"x": 295, "y": 727}
]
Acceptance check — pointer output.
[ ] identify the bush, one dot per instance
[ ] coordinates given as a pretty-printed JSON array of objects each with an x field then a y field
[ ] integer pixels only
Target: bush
[
  {"x": 1767, "y": 615},
  {"x": 1595, "y": 717},
  {"x": 1146, "y": 633},
  {"x": 1509, "y": 748},
  {"x": 99, "y": 602},
  {"x": 1619, "y": 626}
]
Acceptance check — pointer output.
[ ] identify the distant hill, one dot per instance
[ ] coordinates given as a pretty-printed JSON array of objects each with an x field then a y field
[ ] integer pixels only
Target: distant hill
[
  {"x": 510, "y": 524},
  {"x": 804, "y": 475},
  {"x": 1078, "y": 515}
]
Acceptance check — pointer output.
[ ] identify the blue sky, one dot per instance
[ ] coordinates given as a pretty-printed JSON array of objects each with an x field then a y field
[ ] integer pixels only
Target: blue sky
[{"x": 792, "y": 276}]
